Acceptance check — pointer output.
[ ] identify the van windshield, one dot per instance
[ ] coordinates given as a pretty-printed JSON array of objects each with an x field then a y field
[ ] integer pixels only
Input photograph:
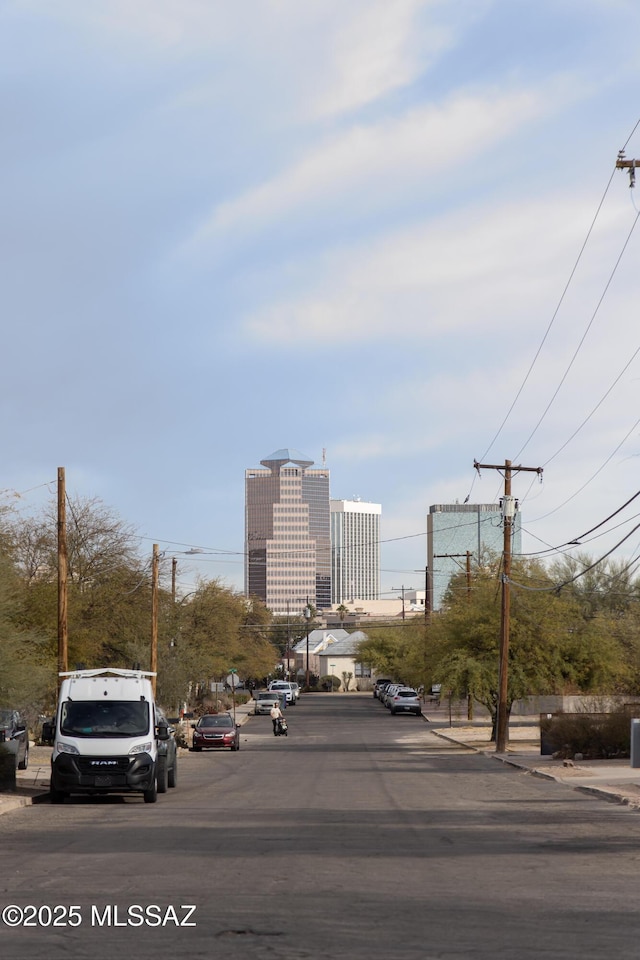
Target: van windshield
[{"x": 115, "y": 718}]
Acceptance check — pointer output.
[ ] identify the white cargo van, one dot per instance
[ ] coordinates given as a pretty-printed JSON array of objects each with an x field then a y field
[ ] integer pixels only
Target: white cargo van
[{"x": 106, "y": 736}]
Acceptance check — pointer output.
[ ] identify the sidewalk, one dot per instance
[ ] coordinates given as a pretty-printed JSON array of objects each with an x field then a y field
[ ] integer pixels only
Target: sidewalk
[{"x": 613, "y": 780}]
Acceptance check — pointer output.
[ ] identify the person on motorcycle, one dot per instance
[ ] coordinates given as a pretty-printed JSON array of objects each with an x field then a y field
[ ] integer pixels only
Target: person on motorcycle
[{"x": 276, "y": 716}]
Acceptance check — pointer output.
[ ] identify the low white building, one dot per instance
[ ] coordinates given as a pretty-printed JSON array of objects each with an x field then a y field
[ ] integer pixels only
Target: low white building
[
  {"x": 334, "y": 653},
  {"x": 340, "y": 660}
]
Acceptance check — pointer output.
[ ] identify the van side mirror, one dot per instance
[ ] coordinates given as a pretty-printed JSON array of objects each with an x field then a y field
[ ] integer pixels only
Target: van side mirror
[
  {"x": 48, "y": 730},
  {"x": 163, "y": 732}
]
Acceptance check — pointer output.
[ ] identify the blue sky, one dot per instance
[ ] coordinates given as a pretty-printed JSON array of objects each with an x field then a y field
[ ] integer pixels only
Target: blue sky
[{"x": 346, "y": 226}]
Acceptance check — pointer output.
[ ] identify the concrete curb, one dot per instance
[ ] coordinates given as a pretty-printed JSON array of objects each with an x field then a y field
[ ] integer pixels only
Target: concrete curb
[{"x": 602, "y": 793}]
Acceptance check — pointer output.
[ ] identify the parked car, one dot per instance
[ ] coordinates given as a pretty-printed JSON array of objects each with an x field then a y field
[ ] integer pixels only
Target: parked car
[
  {"x": 167, "y": 766},
  {"x": 14, "y": 737},
  {"x": 405, "y": 700},
  {"x": 379, "y": 685},
  {"x": 286, "y": 688},
  {"x": 296, "y": 690},
  {"x": 264, "y": 701},
  {"x": 215, "y": 731},
  {"x": 388, "y": 692}
]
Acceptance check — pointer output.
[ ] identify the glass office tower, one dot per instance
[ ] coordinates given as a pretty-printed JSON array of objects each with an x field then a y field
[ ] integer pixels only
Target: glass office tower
[
  {"x": 455, "y": 528},
  {"x": 355, "y": 550},
  {"x": 287, "y": 533}
]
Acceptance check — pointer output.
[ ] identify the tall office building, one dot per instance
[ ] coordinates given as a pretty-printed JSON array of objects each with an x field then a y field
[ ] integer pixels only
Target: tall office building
[
  {"x": 355, "y": 550},
  {"x": 288, "y": 533},
  {"x": 455, "y": 528}
]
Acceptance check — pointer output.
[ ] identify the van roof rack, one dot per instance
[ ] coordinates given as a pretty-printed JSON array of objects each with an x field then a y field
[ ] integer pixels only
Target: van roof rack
[{"x": 106, "y": 671}]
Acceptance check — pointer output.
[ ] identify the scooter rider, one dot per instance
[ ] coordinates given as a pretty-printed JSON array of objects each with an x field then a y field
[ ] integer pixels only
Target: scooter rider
[{"x": 276, "y": 716}]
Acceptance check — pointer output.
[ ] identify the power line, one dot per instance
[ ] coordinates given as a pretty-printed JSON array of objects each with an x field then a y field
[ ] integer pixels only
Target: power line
[
  {"x": 573, "y": 359},
  {"x": 551, "y": 322}
]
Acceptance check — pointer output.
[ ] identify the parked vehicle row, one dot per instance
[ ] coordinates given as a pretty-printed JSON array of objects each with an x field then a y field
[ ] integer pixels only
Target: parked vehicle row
[
  {"x": 290, "y": 690},
  {"x": 397, "y": 697}
]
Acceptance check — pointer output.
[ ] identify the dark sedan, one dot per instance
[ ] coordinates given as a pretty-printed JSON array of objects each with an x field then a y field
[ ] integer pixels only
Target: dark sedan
[{"x": 215, "y": 730}]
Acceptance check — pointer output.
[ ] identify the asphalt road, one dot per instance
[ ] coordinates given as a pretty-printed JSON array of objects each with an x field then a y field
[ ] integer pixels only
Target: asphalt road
[{"x": 360, "y": 835}]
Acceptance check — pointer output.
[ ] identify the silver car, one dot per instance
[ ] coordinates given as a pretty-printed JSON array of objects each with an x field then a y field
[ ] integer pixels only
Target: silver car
[
  {"x": 284, "y": 688},
  {"x": 264, "y": 701},
  {"x": 405, "y": 700}
]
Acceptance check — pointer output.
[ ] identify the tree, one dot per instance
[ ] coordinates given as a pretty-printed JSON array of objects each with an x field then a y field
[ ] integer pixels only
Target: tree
[
  {"x": 217, "y": 629},
  {"x": 396, "y": 650},
  {"x": 553, "y": 648},
  {"x": 27, "y": 677},
  {"x": 108, "y": 585}
]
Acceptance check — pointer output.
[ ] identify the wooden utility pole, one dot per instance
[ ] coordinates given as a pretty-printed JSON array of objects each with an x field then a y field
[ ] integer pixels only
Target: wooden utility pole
[
  {"x": 427, "y": 623},
  {"x": 155, "y": 565},
  {"x": 630, "y": 165},
  {"x": 63, "y": 634},
  {"x": 427, "y": 604},
  {"x": 508, "y": 513}
]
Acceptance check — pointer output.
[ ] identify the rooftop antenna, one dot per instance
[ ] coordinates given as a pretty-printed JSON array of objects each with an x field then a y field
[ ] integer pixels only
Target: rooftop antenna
[{"x": 324, "y": 456}]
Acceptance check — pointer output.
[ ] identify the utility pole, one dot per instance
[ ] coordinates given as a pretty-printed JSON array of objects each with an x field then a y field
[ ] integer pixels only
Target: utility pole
[
  {"x": 307, "y": 617},
  {"x": 155, "y": 565},
  {"x": 427, "y": 602},
  {"x": 508, "y": 513},
  {"x": 427, "y": 623},
  {"x": 630, "y": 165},
  {"x": 63, "y": 634},
  {"x": 402, "y": 588}
]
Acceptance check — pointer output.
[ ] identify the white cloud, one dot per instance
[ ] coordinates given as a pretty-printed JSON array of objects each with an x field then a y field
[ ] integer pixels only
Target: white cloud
[
  {"x": 376, "y": 162},
  {"x": 379, "y": 49},
  {"x": 157, "y": 24},
  {"x": 467, "y": 271}
]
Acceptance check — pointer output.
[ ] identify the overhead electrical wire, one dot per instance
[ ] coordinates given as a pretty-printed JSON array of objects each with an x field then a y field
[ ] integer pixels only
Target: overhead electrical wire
[
  {"x": 553, "y": 318},
  {"x": 565, "y": 583},
  {"x": 574, "y": 357},
  {"x": 591, "y": 478},
  {"x": 552, "y": 321}
]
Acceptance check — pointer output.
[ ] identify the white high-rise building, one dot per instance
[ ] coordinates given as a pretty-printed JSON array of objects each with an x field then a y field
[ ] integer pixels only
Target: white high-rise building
[{"x": 355, "y": 550}]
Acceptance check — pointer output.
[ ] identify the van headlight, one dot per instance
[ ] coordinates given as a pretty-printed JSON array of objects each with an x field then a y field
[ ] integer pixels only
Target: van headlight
[
  {"x": 67, "y": 748},
  {"x": 141, "y": 748}
]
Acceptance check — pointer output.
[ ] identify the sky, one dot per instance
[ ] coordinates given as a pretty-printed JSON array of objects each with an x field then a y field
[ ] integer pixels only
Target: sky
[{"x": 387, "y": 233}]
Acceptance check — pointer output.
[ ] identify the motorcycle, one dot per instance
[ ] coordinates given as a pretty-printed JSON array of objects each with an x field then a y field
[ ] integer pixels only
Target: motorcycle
[{"x": 281, "y": 727}]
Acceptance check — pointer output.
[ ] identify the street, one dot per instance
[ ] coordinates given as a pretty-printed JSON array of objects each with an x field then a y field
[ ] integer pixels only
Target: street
[{"x": 360, "y": 835}]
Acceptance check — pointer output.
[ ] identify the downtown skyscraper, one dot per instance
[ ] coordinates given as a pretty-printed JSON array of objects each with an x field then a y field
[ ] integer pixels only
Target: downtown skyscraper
[
  {"x": 457, "y": 529},
  {"x": 355, "y": 550},
  {"x": 288, "y": 533}
]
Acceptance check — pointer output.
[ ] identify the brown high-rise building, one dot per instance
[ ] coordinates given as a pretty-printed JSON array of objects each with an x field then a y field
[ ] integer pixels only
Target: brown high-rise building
[{"x": 288, "y": 533}]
